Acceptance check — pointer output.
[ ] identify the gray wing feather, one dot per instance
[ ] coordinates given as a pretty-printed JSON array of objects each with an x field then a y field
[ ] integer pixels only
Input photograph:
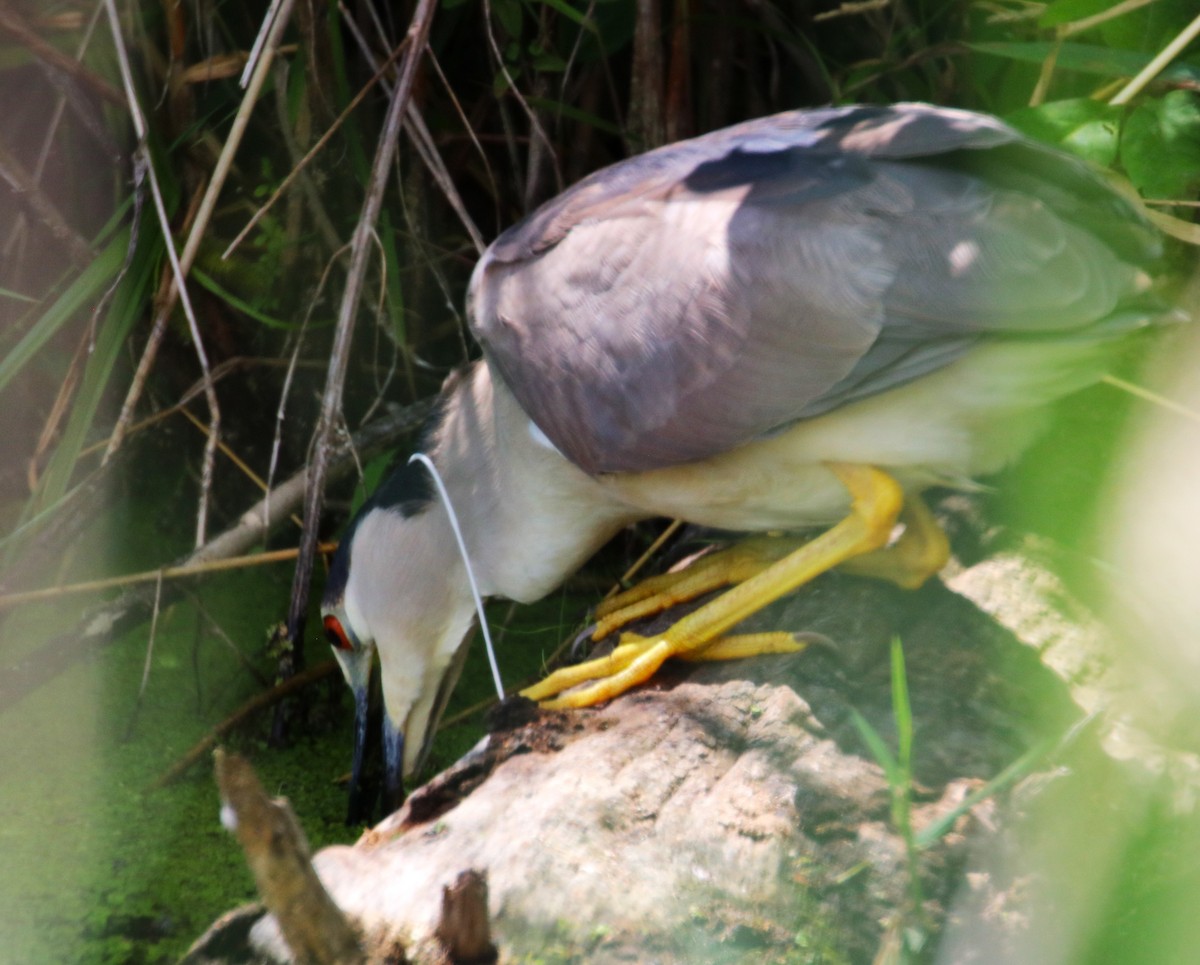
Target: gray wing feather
[{"x": 683, "y": 302}]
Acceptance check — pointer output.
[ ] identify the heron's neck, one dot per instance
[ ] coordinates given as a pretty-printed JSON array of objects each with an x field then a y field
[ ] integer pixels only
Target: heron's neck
[{"x": 529, "y": 516}]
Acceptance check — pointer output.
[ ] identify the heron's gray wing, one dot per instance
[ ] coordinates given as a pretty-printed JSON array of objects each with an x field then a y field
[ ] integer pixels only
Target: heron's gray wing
[{"x": 676, "y": 305}]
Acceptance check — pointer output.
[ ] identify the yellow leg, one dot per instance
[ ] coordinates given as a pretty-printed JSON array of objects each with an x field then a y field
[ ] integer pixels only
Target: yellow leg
[
  {"x": 920, "y": 552},
  {"x": 876, "y": 501},
  {"x": 658, "y": 593},
  {"x": 751, "y": 645}
]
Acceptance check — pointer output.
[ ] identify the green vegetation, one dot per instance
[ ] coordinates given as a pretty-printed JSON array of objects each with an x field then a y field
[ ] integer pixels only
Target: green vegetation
[{"x": 526, "y": 97}]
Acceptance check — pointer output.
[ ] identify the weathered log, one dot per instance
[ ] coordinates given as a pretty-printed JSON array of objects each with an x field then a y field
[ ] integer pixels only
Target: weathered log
[{"x": 725, "y": 812}]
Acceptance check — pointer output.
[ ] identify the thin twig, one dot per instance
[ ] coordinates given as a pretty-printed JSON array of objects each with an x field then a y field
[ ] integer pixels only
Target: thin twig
[
  {"x": 216, "y": 182},
  {"x": 1046, "y": 74},
  {"x": 58, "y": 411},
  {"x": 259, "y": 702},
  {"x": 237, "y": 130},
  {"x": 313, "y": 151},
  {"x": 1087, "y": 23},
  {"x": 534, "y": 124},
  {"x": 448, "y": 89},
  {"x": 25, "y": 189},
  {"x": 12, "y": 23},
  {"x": 233, "y": 457},
  {"x": 422, "y": 139},
  {"x": 182, "y": 571},
  {"x": 1159, "y": 63},
  {"x": 137, "y": 707},
  {"x": 146, "y": 163},
  {"x": 262, "y": 42},
  {"x": 246, "y": 663},
  {"x": 56, "y": 116},
  {"x": 281, "y": 409},
  {"x": 154, "y": 340},
  {"x": 320, "y": 216},
  {"x": 1155, "y": 398}
]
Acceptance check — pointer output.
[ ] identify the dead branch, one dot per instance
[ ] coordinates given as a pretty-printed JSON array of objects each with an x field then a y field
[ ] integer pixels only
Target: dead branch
[
  {"x": 259, "y": 702},
  {"x": 25, "y": 188},
  {"x": 13, "y": 24},
  {"x": 314, "y": 927},
  {"x": 464, "y": 929}
]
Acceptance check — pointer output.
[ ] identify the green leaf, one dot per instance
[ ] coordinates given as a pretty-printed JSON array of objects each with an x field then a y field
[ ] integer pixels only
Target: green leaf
[
  {"x": 1160, "y": 146},
  {"x": 85, "y": 289},
  {"x": 1064, "y": 11},
  {"x": 240, "y": 304},
  {"x": 1082, "y": 126},
  {"x": 545, "y": 59},
  {"x": 128, "y": 305},
  {"x": 571, "y": 14},
  {"x": 1022, "y": 766},
  {"x": 508, "y": 12},
  {"x": 17, "y": 296},
  {"x": 575, "y": 114},
  {"x": 374, "y": 473}
]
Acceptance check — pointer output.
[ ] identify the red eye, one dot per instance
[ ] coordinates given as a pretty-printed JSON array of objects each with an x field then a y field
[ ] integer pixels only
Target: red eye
[{"x": 335, "y": 634}]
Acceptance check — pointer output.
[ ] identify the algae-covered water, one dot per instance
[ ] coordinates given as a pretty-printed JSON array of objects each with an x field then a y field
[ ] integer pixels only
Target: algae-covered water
[{"x": 95, "y": 865}]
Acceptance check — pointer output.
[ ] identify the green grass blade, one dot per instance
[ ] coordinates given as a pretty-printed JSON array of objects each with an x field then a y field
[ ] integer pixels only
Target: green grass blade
[
  {"x": 1014, "y": 772},
  {"x": 87, "y": 287},
  {"x": 243, "y": 306},
  {"x": 879, "y": 750},
  {"x": 1087, "y": 59},
  {"x": 901, "y": 709},
  {"x": 128, "y": 305}
]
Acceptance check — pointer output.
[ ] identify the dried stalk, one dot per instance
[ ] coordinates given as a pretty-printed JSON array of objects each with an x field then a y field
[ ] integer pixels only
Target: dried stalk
[
  {"x": 1159, "y": 63},
  {"x": 316, "y": 149},
  {"x": 181, "y": 572},
  {"x": 422, "y": 139},
  {"x": 25, "y": 188},
  {"x": 144, "y": 162},
  {"x": 208, "y": 201}
]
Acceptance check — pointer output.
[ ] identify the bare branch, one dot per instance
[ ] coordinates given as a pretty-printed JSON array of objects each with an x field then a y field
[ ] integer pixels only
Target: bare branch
[{"x": 314, "y": 927}]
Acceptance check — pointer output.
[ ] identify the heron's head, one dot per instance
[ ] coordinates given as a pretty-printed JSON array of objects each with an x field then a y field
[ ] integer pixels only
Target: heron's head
[{"x": 396, "y": 588}]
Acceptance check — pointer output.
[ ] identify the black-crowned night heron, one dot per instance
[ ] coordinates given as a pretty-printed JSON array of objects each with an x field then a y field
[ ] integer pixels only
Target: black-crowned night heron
[{"x": 802, "y": 320}]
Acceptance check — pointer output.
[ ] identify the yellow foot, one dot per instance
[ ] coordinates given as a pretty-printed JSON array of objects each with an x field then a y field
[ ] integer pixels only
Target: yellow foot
[
  {"x": 876, "y": 500},
  {"x": 637, "y": 658}
]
